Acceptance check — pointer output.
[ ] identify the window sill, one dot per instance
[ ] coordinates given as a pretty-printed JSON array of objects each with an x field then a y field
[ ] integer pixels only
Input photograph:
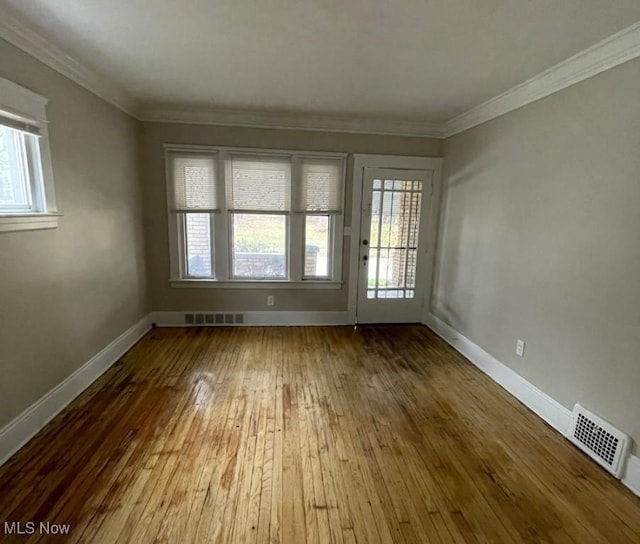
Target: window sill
[
  {"x": 28, "y": 221},
  {"x": 255, "y": 284}
]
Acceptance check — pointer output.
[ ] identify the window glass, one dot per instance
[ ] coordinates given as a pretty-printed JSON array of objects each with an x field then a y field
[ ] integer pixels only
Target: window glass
[
  {"x": 259, "y": 246},
  {"x": 198, "y": 244},
  {"x": 317, "y": 241},
  {"x": 15, "y": 190}
]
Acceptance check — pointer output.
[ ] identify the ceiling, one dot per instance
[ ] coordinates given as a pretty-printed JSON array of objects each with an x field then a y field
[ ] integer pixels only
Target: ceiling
[{"x": 418, "y": 60}]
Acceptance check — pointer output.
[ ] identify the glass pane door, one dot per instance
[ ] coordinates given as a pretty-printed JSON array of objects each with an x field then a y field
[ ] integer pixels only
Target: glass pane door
[{"x": 390, "y": 237}]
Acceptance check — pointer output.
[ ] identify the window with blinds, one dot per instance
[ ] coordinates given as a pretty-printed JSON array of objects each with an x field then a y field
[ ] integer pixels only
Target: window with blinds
[
  {"x": 193, "y": 200},
  {"x": 20, "y": 174},
  {"x": 263, "y": 216},
  {"x": 260, "y": 198},
  {"x": 27, "y": 196},
  {"x": 320, "y": 199}
]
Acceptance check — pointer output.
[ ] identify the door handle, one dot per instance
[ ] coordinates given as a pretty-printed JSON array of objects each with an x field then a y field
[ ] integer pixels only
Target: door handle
[{"x": 365, "y": 242}]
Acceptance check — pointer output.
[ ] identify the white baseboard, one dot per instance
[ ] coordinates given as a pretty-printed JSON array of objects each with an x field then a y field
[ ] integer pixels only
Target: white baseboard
[
  {"x": 21, "y": 429},
  {"x": 254, "y": 318},
  {"x": 539, "y": 402},
  {"x": 545, "y": 407},
  {"x": 632, "y": 474}
]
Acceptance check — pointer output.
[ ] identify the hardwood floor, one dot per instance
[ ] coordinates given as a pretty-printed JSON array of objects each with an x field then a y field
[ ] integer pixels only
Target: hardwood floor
[{"x": 292, "y": 435}]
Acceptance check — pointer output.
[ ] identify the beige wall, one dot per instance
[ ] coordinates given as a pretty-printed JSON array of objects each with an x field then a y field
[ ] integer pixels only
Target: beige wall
[
  {"x": 163, "y": 297},
  {"x": 540, "y": 240},
  {"x": 68, "y": 292}
]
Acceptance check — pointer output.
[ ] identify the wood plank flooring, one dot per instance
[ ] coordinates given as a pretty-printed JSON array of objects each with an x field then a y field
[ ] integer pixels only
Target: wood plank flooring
[{"x": 293, "y": 435}]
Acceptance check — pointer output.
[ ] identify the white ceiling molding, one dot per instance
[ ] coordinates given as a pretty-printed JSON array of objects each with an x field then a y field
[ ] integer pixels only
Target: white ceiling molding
[
  {"x": 19, "y": 34},
  {"x": 295, "y": 121},
  {"x": 609, "y": 53},
  {"x": 606, "y": 54}
]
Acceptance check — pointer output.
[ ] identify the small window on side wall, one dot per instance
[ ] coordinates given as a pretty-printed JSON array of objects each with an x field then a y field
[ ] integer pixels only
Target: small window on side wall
[{"x": 27, "y": 199}]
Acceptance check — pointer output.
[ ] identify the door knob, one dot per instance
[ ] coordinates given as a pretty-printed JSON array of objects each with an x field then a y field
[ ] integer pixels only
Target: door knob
[{"x": 365, "y": 242}]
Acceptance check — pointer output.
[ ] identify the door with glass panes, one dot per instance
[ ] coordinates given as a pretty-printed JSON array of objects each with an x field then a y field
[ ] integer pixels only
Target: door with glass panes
[{"x": 392, "y": 244}]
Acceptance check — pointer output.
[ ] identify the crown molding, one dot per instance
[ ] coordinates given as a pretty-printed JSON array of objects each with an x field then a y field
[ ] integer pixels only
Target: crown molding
[
  {"x": 20, "y": 35},
  {"x": 604, "y": 55},
  {"x": 291, "y": 121}
]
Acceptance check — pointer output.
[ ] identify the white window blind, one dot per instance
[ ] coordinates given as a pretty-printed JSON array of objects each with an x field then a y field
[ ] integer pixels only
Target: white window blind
[
  {"x": 20, "y": 124},
  {"x": 321, "y": 189},
  {"x": 193, "y": 182},
  {"x": 259, "y": 184}
]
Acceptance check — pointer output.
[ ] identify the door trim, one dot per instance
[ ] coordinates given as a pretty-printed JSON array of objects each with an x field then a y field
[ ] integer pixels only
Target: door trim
[{"x": 362, "y": 161}]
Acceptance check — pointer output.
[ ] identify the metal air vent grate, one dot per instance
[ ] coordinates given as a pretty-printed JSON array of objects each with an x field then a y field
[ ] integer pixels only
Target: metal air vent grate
[
  {"x": 594, "y": 437},
  {"x": 212, "y": 319},
  {"x": 600, "y": 440}
]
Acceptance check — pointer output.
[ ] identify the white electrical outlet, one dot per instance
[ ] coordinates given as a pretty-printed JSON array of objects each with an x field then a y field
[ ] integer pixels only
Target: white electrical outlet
[
  {"x": 270, "y": 300},
  {"x": 520, "y": 348}
]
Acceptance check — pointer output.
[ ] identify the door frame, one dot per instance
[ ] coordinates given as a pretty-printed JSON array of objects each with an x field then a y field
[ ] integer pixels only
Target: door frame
[{"x": 362, "y": 161}]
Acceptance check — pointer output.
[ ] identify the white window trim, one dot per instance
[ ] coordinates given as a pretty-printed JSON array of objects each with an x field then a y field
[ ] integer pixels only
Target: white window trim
[
  {"x": 221, "y": 235},
  {"x": 28, "y": 105}
]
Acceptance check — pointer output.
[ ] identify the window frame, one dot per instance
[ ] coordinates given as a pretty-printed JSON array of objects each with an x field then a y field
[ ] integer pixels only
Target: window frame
[
  {"x": 184, "y": 266},
  {"x": 24, "y": 107},
  {"x": 221, "y": 221}
]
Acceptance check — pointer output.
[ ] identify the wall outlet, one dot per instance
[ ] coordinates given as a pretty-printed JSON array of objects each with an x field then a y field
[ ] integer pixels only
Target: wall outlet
[
  {"x": 520, "y": 348},
  {"x": 270, "y": 300}
]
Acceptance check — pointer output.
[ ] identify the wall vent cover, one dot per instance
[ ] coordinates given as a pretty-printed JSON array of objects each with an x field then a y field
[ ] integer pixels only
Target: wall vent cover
[
  {"x": 214, "y": 318},
  {"x": 601, "y": 441}
]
